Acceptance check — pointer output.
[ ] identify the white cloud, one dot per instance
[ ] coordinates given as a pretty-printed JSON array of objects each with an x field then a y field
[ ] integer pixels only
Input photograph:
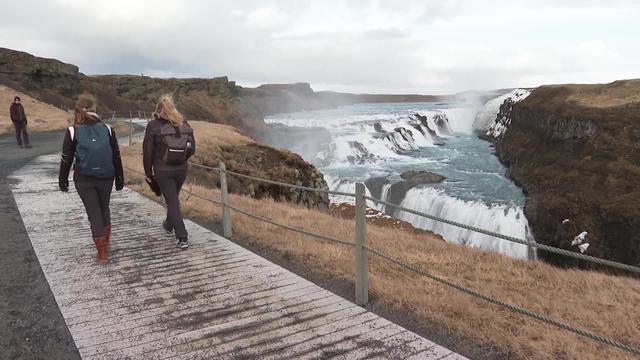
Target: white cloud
[{"x": 350, "y": 45}]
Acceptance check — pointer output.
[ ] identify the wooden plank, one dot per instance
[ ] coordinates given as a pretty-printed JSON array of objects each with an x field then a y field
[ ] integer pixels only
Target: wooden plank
[{"x": 215, "y": 300}]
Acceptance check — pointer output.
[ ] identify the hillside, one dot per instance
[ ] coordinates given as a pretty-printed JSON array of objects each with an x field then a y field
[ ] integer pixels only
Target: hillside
[
  {"x": 242, "y": 154},
  {"x": 575, "y": 150},
  {"x": 41, "y": 116},
  {"x": 591, "y": 300},
  {"x": 216, "y": 100}
]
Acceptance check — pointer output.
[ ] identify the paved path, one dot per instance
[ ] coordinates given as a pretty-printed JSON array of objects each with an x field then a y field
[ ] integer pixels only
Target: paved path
[
  {"x": 215, "y": 300},
  {"x": 31, "y": 325}
]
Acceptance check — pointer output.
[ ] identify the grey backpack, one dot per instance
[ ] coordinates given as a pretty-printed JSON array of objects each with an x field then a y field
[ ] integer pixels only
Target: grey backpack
[{"x": 178, "y": 141}]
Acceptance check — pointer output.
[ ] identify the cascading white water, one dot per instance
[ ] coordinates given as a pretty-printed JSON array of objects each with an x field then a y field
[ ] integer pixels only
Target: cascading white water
[
  {"x": 498, "y": 218},
  {"x": 346, "y": 186},
  {"x": 485, "y": 119},
  {"x": 384, "y": 196},
  {"x": 382, "y": 141}
]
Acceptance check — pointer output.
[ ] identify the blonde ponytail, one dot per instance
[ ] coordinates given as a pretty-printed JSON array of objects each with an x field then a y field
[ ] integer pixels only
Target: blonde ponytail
[{"x": 166, "y": 109}]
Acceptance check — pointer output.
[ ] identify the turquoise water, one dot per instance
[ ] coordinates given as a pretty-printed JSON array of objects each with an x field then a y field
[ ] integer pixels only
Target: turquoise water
[{"x": 385, "y": 140}]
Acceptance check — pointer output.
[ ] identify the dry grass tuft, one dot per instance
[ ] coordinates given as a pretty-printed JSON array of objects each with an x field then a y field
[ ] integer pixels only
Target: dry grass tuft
[
  {"x": 598, "y": 302},
  {"x": 40, "y": 116}
]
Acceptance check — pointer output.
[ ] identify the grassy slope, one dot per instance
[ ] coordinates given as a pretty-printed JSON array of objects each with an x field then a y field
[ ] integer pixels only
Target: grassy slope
[
  {"x": 40, "y": 116},
  {"x": 598, "y": 302}
]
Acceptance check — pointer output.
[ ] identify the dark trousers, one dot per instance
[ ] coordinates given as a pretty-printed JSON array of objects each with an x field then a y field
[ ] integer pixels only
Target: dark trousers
[
  {"x": 21, "y": 133},
  {"x": 170, "y": 183},
  {"x": 96, "y": 195}
]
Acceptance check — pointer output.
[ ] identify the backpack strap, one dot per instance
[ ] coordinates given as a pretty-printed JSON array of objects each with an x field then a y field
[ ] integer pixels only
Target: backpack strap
[{"x": 72, "y": 130}]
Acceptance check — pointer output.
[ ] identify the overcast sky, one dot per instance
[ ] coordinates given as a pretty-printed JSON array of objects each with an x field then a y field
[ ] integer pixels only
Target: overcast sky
[{"x": 387, "y": 46}]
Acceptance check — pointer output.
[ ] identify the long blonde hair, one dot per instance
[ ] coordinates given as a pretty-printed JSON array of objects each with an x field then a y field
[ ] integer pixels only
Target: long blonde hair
[
  {"x": 166, "y": 109},
  {"x": 85, "y": 106}
]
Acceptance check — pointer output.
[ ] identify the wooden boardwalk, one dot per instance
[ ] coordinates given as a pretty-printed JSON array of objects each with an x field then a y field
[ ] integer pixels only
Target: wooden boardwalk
[{"x": 215, "y": 300}]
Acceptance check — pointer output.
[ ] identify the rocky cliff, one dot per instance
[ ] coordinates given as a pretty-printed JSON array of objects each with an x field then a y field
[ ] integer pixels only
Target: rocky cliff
[
  {"x": 575, "y": 150},
  {"x": 215, "y": 99}
]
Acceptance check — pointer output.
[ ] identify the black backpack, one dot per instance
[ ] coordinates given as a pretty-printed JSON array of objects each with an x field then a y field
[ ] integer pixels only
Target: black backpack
[{"x": 178, "y": 141}]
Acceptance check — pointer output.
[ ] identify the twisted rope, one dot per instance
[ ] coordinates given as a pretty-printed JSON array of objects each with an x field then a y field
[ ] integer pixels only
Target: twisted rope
[
  {"x": 301, "y": 231},
  {"x": 534, "y": 244},
  {"x": 289, "y": 185},
  {"x": 514, "y": 308}
]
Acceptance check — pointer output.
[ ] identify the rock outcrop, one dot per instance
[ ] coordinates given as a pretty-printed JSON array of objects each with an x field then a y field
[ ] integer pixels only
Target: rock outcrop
[
  {"x": 243, "y": 155},
  {"x": 422, "y": 177},
  {"x": 575, "y": 151}
]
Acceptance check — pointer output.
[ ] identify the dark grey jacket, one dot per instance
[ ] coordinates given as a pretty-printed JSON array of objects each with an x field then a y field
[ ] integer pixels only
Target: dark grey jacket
[
  {"x": 17, "y": 113},
  {"x": 153, "y": 148}
]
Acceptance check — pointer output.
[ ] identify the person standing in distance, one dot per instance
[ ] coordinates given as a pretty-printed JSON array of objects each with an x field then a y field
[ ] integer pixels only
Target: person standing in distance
[
  {"x": 93, "y": 147},
  {"x": 169, "y": 141},
  {"x": 19, "y": 120}
]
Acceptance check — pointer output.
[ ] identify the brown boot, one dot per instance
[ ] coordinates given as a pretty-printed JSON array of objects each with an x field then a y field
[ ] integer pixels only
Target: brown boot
[
  {"x": 101, "y": 246},
  {"x": 107, "y": 233}
]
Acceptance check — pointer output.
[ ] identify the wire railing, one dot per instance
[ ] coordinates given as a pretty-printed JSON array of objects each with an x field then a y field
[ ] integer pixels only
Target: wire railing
[
  {"x": 362, "y": 250},
  {"x": 529, "y": 243},
  {"x": 556, "y": 250}
]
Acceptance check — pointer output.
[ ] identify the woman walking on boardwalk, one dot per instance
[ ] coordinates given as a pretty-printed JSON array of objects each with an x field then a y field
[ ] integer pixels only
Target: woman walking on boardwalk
[
  {"x": 168, "y": 143},
  {"x": 92, "y": 146}
]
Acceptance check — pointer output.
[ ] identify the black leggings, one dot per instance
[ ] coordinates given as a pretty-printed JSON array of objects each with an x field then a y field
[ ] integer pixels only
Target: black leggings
[
  {"x": 96, "y": 195},
  {"x": 21, "y": 133},
  {"x": 170, "y": 183}
]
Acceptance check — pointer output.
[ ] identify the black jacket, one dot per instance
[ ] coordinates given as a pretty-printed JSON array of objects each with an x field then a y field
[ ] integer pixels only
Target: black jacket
[
  {"x": 17, "y": 113},
  {"x": 68, "y": 155},
  {"x": 153, "y": 149}
]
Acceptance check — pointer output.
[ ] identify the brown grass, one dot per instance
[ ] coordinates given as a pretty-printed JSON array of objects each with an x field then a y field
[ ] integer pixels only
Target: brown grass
[
  {"x": 40, "y": 116},
  {"x": 598, "y": 302}
]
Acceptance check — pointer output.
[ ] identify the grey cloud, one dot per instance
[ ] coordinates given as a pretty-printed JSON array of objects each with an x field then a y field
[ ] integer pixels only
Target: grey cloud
[{"x": 353, "y": 45}]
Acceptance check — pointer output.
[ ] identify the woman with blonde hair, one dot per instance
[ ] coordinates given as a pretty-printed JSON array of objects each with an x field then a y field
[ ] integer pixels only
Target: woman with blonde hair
[
  {"x": 168, "y": 144},
  {"x": 92, "y": 147}
]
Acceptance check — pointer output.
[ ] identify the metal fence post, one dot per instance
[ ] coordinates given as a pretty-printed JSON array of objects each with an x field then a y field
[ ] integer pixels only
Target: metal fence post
[
  {"x": 362, "y": 256},
  {"x": 130, "y": 130},
  {"x": 224, "y": 194}
]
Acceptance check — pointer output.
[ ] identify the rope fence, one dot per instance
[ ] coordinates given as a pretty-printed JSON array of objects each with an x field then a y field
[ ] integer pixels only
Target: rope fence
[
  {"x": 299, "y": 187},
  {"x": 529, "y": 243},
  {"x": 295, "y": 229},
  {"x": 511, "y": 307},
  {"x": 362, "y": 249},
  {"x": 533, "y": 244}
]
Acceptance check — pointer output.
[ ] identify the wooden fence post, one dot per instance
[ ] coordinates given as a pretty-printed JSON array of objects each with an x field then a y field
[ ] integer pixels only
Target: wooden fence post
[
  {"x": 362, "y": 256},
  {"x": 224, "y": 194}
]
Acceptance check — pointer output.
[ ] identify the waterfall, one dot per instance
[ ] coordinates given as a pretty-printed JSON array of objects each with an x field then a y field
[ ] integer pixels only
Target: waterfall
[{"x": 497, "y": 218}]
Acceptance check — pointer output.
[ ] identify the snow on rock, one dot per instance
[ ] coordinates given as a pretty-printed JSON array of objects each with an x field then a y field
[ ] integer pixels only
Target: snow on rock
[
  {"x": 580, "y": 238},
  {"x": 583, "y": 247},
  {"x": 495, "y": 116}
]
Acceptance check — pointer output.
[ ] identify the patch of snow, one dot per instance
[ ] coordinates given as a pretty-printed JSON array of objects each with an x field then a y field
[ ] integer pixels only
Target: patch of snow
[
  {"x": 579, "y": 239},
  {"x": 583, "y": 247}
]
